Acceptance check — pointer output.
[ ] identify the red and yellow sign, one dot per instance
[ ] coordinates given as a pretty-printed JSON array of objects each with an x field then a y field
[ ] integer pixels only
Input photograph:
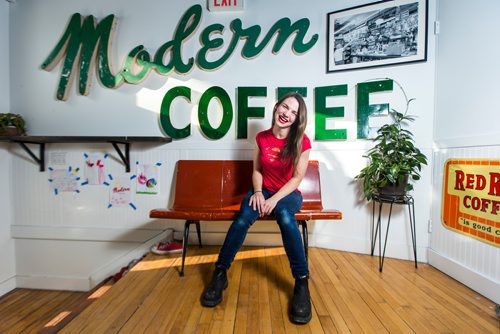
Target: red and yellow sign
[{"x": 471, "y": 198}]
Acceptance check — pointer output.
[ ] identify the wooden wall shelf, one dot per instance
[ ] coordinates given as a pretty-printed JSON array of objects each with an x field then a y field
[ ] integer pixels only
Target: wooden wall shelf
[{"x": 24, "y": 141}]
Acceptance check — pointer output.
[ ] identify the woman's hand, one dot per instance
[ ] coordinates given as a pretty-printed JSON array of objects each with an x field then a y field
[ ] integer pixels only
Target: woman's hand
[
  {"x": 267, "y": 207},
  {"x": 259, "y": 203},
  {"x": 257, "y": 200}
]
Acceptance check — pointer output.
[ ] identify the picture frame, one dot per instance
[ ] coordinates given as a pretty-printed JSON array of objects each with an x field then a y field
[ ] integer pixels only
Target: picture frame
[{"x": 383, "y": 33}]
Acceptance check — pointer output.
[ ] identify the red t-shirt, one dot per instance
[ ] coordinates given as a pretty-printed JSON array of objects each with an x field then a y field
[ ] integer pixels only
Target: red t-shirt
[{"x": 275, "y": 172}]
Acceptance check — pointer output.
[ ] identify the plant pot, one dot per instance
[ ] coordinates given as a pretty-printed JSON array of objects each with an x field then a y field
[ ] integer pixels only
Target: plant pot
[
  {"x": 394, "y": 190},
  {"x": 10, "y": 131}
]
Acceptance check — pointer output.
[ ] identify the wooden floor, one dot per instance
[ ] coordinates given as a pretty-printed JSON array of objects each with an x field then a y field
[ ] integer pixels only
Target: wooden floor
[
  {"x": 45, "y": 312},
  {"x": 348, "y": 295}
]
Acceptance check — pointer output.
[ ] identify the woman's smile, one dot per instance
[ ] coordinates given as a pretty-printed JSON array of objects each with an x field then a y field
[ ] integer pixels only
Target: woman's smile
[{"x": 283, "y": 119}]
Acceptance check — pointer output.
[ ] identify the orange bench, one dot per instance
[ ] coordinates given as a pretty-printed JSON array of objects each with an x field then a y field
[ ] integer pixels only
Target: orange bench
[{"x": 212, "y": 190}]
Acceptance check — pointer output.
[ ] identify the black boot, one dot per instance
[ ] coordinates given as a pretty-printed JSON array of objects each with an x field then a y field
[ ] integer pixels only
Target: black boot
[
  {"x": 212, "y": 295},
  {"x": 301, "y": 303}
]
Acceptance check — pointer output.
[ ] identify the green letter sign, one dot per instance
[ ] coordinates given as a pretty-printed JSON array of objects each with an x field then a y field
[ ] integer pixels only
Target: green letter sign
[
  {"x": 227, "y": 112},
  {"x": 323, "y": 113},
  {"x": 165, "y": 122},
  {"x": 244, "y": 111},
  {"x": 89, "y": 37},
  {"x": 365, "y": 110}
]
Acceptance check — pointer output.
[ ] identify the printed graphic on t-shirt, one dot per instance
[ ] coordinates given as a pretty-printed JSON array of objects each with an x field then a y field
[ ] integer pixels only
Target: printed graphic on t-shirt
[{"x": 272, "y": 153}]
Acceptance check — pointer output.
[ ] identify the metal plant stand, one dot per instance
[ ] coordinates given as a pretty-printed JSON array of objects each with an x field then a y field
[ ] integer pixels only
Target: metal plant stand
[{"x": 377, "y": 231}]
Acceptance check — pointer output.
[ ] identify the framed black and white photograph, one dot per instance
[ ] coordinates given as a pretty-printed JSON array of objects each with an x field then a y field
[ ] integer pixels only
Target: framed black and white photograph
[{"x": 378, "y": 34}]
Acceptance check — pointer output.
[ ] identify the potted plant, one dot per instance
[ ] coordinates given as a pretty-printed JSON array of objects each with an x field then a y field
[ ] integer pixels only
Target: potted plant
[
  {"x": 393, "y": 160},
  {"x": 12, "y": 125}
]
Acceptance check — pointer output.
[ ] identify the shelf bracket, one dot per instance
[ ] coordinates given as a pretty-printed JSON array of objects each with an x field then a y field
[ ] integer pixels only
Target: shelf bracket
[
  {"x": 41, "y": 153},
  {"x": 125, "y": 157}
]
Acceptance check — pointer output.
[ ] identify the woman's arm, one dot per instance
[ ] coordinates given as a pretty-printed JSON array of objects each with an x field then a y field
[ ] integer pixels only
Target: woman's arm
[
  {"x": 298, "y": 174},
  {"x": 257, "y": 199},
  {"x": 256, "y": 175}
]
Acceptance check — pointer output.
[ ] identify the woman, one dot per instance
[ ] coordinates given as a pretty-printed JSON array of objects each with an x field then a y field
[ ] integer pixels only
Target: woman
[{"x": 280, "y": 162}]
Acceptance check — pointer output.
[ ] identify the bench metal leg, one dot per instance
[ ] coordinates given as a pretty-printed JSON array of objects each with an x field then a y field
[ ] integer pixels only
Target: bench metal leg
[
  {"x": 185, "y": 240},
  {"x": 304, "y": 235},
  {"x": 198, "y": 231}
]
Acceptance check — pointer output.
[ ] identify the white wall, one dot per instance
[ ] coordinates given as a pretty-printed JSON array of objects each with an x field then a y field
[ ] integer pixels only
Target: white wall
[
  {"x": 7, "y": 257},
  {"x": 133, "y": 110},
  {"x": 467, "y": 114},
  {"x": 466, "y": 126}
]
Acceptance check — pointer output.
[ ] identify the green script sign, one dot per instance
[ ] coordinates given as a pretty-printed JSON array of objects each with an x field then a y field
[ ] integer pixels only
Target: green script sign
[{"x": 84, "y": 41}]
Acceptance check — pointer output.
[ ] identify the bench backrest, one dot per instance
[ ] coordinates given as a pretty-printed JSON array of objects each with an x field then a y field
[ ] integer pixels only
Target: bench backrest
[{"x": 222, "y": 184}]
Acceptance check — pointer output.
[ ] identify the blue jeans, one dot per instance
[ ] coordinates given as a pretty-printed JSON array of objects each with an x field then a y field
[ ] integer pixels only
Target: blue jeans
[{"x": 285, "y": 216}]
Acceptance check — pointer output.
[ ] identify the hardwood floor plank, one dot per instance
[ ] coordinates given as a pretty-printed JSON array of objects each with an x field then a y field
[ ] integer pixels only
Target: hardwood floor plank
[
  {"x": 481, "y": 307},
  {"x": 321, "y": 310},
  {"x": 339, "y": 310},
  {"x": 440, "y": 311},
  {"x": 367, "y": 267},
  {"x": 178, "y": 299},
  {"x": 110, "y": 313},
  {"x": 11, "y": 299},
  {"x": 264, "y": 304},
  {"x": 50, "y": 303},
  {"x": 242, "y": 308},
  {"x": 285, "y": 293},
  {"x": 231, "y": 295},
  {"x": 253, "y": 322},
  {"x": 383, "y": 304},
  {"x": 402, "y": 297},
  {"x": 377, "y": 302},
  {"x": 456, "y": 307},
  {"x": 274, "y": 274}
]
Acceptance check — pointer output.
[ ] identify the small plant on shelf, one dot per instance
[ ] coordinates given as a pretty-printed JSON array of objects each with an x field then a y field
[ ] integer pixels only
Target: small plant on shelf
[{"x": 12, "y": 125}]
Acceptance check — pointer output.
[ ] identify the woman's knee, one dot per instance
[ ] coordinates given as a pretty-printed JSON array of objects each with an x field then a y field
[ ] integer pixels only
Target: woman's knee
[
  {"x": 241, "y": 223},
  {"x": 286, "y": 218}
]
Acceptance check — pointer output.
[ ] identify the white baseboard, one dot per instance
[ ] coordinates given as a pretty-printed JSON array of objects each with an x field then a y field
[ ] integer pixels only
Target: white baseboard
[
  {"x": 400, "y": 251},
  {"x": 88, "y": 282},
  {"x": 476, "y": 281},
  {"x": 114, "y": 266},
  {"x": 53, "y": 283},
  {"x": 7, "y": 285}
]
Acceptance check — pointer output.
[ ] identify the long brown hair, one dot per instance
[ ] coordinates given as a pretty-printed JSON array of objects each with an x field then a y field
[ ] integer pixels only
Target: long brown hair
[{"x": 293, "y": 145}]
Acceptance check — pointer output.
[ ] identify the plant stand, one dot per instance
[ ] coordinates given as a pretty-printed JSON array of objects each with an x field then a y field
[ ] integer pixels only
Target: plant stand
[{"x": 404, "y": 200}]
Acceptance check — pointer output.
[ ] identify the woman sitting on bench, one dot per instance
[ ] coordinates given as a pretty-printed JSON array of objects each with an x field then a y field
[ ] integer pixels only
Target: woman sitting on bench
[{"x": 280, "y": 163}]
